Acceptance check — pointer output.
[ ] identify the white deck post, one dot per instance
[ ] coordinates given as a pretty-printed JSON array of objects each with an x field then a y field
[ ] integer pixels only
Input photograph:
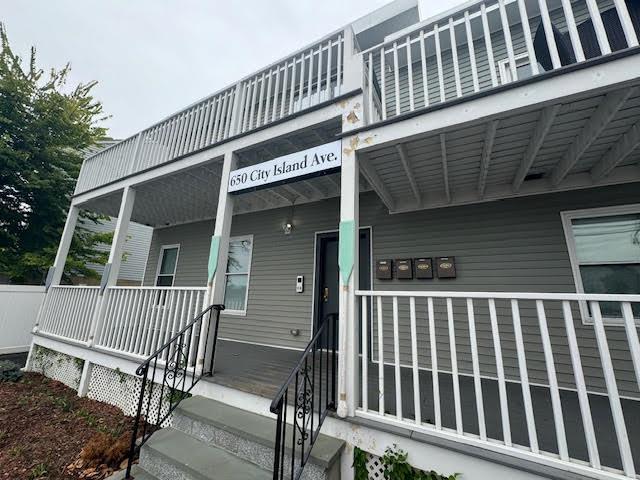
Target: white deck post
[
  {"x": 217, "y": 262},
  {"x": 63, "y": 247},
  {"x": 112, "y": 268},
  {"x": 352, "y": 117},
  {"x": 353, "y": 72},
  {"x": 54, "y": 276}
]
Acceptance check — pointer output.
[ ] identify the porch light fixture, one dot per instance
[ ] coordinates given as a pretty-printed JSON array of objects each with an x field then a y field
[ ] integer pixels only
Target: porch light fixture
[{"x": 288, "y": 223}]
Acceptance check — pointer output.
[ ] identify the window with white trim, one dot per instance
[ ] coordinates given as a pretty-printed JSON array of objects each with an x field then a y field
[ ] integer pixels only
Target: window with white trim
[
  {"x": 523, "y": 68},
  {"x": 237, "y": 275},
  {"x": 604, "y": 247},
  {"x": 167, "y": 264}
]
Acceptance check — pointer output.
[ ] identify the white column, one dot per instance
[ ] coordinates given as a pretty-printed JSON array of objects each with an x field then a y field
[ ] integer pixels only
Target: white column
[
  {"x": 120, "y": 236},
  {"x": 63, "y": 247},
  {"x": 353, "y": 73},
  {"x": 352, "y": 118},
  {"x": 112, "y": 268},
  {"x": 348, "y": 313},
  {"x": 85, "y": 378},
  {"x": 217, "y": 260},
  {"x": 236, "y": 111}
]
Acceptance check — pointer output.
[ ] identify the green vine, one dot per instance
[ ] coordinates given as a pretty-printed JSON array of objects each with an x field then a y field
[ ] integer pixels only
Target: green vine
[
  {"x": 79, "y": 363},
  {"x": 360, "y": 464},
  {"x": 121, "y": 375},
  {"x": 395, "y": 467}
]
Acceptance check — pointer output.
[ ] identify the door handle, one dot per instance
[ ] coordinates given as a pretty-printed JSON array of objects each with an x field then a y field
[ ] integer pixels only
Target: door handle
[{"x": 325, "y": 294}]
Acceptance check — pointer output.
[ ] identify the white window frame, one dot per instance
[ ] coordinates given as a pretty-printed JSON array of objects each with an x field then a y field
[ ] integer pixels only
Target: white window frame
[
  {"x": 159, "y": 265},
  {"x": 239, "y": 313},
  {"x": 567, "y": 217},
  {"x": 505, "y": 69}
]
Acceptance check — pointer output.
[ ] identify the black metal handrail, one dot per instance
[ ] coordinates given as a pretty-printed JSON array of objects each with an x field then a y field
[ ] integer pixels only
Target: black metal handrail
[
  {"x": 178, "y": 357},
  {"x": 314, "y": 395}
]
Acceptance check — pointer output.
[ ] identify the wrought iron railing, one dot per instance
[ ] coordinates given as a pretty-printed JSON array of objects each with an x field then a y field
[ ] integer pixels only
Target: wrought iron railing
[
  {"x": 169, "y": 375},
  {"x": 311, "y": 390}
]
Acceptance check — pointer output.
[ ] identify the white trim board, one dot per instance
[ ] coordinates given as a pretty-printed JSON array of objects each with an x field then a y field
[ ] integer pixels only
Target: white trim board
[
  {"x": 239, "y": 313},
  {"x": 315, "y": 247},
  {"x": 159, "y": 264},
  {"x": 566, "y": 217}
]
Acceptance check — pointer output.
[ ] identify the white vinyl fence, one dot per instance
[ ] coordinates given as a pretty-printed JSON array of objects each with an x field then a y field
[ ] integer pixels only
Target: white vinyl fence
[{"x": 19, "y": 305}]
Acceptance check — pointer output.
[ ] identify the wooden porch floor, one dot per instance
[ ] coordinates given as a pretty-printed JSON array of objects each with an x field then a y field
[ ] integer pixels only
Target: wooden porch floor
[{"x": 261, "y": 370}]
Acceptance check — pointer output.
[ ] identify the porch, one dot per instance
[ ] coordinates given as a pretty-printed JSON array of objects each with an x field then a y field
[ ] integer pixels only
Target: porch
[
  {"x": 261, "y": 370},
  {"x": 522, "y": 375}
]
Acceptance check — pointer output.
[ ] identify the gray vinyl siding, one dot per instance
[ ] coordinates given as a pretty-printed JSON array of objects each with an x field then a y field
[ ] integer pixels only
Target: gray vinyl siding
[
  {"x": 499, "y": 50},
  {"x": 515, "y": 245},
  {"x": 136, "y": 248}
]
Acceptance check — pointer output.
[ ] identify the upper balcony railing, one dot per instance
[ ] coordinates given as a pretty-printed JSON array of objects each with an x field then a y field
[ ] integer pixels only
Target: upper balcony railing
[
  {"x": 481, "y": 46},
  {"x": 487, "y": 44},
  {"x": 307, "y": 78}
]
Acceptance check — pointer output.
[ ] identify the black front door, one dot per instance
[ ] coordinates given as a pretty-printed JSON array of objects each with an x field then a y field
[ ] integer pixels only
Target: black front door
[{"x": 327, "y": 281}]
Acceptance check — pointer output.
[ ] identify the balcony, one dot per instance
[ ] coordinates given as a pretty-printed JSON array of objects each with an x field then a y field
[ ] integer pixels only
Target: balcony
[
  {"x": 469, "y": 52},
  {"x": 488, "y": 45},
  {"x": 307, "y": 78}
]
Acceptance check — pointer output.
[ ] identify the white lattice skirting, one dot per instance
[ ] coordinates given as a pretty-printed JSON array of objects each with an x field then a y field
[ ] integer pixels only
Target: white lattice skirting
[
  {"x": 374, "y": 467},
  {"x": 123, "y": 391},
  {"x": 57, "y": 366}
]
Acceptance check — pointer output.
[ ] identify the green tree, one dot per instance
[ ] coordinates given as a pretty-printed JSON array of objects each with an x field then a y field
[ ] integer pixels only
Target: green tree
[{"x": 44, "y": 127}]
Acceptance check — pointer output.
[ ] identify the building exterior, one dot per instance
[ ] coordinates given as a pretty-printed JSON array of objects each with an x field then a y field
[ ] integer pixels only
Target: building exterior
[{"x": 457, "y": 197}]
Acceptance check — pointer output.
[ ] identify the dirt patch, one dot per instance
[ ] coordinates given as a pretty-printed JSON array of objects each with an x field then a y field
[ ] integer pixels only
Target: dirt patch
[{"x": 44, "y": 426}]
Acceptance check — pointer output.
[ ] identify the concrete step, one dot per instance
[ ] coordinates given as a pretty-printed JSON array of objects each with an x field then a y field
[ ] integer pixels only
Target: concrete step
[
  {"x": 173, "y": 455},
  {"x": 136, "y": 472},
  {"x": 251, "y": 437}
]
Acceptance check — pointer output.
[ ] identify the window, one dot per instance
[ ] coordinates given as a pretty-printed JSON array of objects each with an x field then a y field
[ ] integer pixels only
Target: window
[
  {"x": 604, "y": 247},
  {"x": 167, "y": 264},
  {"x": 237, "y": 275},
  {"x": 523, "y": 68}
]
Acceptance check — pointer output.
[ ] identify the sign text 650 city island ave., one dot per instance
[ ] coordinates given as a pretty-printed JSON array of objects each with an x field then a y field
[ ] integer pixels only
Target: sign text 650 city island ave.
[{"x": 305, "y": 163}]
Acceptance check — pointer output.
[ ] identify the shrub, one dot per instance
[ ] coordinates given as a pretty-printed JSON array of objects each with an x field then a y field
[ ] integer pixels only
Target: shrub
[
  {"x": 104, "y": 449},
  {"x": 9, "y": 371}
]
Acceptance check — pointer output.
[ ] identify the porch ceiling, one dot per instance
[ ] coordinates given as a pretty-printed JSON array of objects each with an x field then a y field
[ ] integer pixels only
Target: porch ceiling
[
  {"x": 577, "y": 143},
  {"x": 191, "y": 195}
]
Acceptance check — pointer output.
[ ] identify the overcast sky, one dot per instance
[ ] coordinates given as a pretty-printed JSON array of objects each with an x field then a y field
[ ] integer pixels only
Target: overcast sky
[{"x": 153, "y": 57}]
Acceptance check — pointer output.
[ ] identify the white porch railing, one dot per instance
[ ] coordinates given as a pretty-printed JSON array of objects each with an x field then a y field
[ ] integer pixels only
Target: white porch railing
[
  {"x": 464, "y": 365},
  {"x": 489, "y": 44},
  {"x": 139, "y": 320},
  {"x": 298, "y": 82},
  {"x": 67, "y": 312}
]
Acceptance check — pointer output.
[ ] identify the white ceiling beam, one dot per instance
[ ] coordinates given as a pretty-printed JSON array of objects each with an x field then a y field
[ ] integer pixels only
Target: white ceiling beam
[
  {"x": 487, "y": 149},
  {"x": 265, "y": 197},
  {"x": 445, "y": 167},
  {"x": 624, "y": 174},
  {"x": 369, "y": 172},
  {"x": 283, "y": 194},
  {"x": 617, "y": 154},
  {"x": 603, "y": 115},
  {"x": 312, "y": 186},
  {"x": 295, "y": 189},
  {"x": 332, "y": 179},
  {"x": 543, "y": 126},
  {"x": 406, "y": 164}
]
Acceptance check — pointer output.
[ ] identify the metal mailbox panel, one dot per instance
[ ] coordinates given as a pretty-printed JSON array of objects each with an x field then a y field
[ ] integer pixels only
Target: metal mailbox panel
[
  {"x": 384, "y": 269},
  {"x": 404, "y": 268},
  {"x": 423, "y": 268},
  {"x": 446, "y": 267}
]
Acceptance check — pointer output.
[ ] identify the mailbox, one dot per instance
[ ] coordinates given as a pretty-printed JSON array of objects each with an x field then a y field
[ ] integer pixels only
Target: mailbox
[
  {"x": 404, "y": 269},
  {"x": 384, "y": 269},
  {"x": 423, "y": 268},
  {"x": 446, "y": 267}
]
